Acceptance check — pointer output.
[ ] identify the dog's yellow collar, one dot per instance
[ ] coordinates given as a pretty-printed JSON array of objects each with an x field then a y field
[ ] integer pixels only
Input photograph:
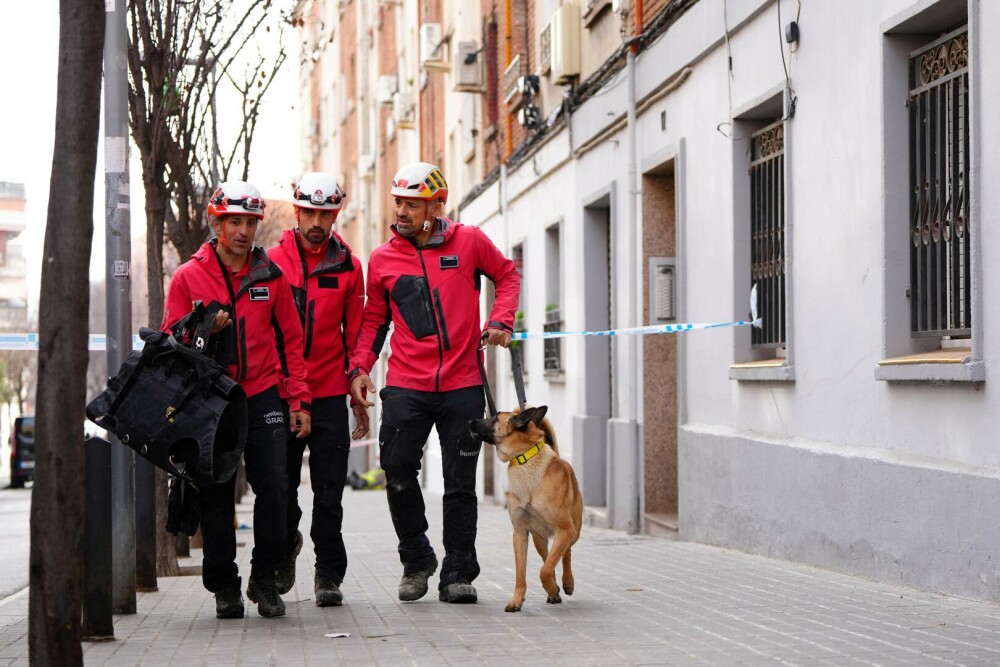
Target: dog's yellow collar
[{"x": 523, "y": 458}]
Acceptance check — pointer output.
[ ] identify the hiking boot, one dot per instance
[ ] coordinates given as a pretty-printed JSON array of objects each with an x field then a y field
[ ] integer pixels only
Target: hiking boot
[
  {"x": 284, "y": 577},
  {"x": 327, "y": 592},
  {"x": 263, "y": 592},
  {"x": 229, "y": 603},
  {"x": 414, "y": 586},
  {"x": 458, "y": 593}
]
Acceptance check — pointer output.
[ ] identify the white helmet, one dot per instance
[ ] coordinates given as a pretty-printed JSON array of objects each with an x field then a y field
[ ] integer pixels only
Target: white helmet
[
  {"x": 420, "y": 180},
  {"x": 319, "y": 190},
  {"x": 236, "y": 198}
]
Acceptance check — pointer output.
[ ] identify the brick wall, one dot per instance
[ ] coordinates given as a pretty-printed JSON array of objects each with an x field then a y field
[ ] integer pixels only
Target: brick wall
[
  {"x": 432, "y": 96},
  {"x": 387, "y": 155}
]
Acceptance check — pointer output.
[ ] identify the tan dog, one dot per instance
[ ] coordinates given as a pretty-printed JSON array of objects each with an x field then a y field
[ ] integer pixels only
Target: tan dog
[{"x": 544, "y": 498}]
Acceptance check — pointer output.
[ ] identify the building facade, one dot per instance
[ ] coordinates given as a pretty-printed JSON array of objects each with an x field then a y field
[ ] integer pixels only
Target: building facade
[
  {"x": 655, "y": 162},
  {"x": 13, "y": 271}
]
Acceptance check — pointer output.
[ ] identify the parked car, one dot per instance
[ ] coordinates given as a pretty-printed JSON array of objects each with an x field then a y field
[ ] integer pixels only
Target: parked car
[{"x": 22, "y": 451}]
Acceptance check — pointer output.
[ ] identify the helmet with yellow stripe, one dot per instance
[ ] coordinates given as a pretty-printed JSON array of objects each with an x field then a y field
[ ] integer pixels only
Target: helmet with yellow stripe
[{"x": 420, "y": 180}]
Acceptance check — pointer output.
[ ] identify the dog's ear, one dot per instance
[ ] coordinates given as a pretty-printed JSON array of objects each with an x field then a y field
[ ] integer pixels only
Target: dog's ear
[
  {"x": 539, "y": 415},
  {"x": 521, "y": 419}
]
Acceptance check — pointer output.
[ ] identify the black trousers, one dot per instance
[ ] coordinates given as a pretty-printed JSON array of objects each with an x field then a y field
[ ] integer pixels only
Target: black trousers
[
  {"x": 329, "y": 445},
  {"x": 265, "y": 463},
  {"x": 407, "y": 418}
]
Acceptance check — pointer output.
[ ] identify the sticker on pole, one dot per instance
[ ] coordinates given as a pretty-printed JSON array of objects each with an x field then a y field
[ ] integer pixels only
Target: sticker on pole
[{"x": 121, "y": 268}]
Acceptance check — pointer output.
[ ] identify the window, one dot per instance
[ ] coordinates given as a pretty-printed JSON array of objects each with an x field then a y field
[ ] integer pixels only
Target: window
[
  {"x": 553, "y": 312},
  {"x": 517, "y": 256},
  {"x": 767, "y": 231},
  {"x": 940, "y": 262}
]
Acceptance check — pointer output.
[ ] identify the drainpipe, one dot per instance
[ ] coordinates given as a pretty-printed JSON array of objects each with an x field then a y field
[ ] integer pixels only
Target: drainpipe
[
  {"x": 507, "y": 49},
  {"x": 635, "y": 269}
]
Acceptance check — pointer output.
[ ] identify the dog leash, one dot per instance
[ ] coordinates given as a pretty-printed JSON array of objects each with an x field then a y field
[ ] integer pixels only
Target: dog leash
[{"x": 515, "y": 364}]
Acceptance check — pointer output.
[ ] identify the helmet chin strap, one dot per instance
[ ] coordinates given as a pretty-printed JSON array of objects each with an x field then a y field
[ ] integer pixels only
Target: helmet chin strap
[{"x": 222, "y": 236}]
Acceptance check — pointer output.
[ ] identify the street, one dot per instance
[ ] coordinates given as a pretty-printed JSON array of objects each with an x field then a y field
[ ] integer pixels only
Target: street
[{"x": 15, "y": 507}]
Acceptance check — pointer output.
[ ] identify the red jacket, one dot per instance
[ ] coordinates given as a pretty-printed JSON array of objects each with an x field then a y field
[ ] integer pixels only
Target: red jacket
[
  {"x": 265, "y": 325},
  {"x": 330, "y": 300},
  {"x": 432, "y": 295}
]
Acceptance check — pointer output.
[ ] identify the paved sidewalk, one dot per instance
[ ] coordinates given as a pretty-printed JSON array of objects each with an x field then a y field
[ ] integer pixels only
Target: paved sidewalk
[{"x": 638, "y": 601}]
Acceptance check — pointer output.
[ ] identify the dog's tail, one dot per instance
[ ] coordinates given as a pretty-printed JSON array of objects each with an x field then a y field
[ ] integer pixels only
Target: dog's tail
[{"x": 550, "y": 434}]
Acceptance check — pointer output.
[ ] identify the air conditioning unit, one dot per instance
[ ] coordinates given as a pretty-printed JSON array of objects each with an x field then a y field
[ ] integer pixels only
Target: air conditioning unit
[
  {"x": 403, "y": 111},
  {"x": 431, "y": 46},
  {"x": 386, "y": 88},
  {"x": 565, "y": 44},
  {"x": 468, "y": 69}
]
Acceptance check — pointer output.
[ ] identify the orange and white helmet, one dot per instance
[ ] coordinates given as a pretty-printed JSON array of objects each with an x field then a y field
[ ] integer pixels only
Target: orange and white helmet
[
  {"x": 319, "y": 190},
  {"x": 236, "y": 198},
  {"x": 420, "y": 180}
]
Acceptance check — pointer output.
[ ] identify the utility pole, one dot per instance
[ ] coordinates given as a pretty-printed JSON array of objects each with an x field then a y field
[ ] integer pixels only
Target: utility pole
[{"x": 118, "y": 248}]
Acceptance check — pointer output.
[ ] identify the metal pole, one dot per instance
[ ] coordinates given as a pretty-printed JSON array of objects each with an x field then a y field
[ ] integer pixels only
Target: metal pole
[
  {"x": 97, "y": 622},
  {"x": 118, "y": 248},
  {"x": 634, "y": 282}
]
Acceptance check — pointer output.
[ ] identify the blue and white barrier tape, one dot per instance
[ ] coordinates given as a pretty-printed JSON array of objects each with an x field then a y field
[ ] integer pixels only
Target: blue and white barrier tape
[
  {"x": 29, "y": 341},
  {"x": 99, "y": 342},
  {"x": 639, "y": 331}
]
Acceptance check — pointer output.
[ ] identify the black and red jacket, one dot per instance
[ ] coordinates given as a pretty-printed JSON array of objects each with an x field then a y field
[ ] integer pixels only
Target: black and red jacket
[
  {"x": 330, "y": 299},
  {"x": 263, "y": 346},
  {"x": 432, "y": 295}
]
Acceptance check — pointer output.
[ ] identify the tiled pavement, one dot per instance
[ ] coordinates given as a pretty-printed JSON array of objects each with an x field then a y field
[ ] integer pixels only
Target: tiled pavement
[{"x": 638, "y": 601}]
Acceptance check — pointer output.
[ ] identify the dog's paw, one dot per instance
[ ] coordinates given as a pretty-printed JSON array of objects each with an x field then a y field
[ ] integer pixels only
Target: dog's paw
[
  {"x": 512, "y": 606},
  {"x": 554, "y": 599}
]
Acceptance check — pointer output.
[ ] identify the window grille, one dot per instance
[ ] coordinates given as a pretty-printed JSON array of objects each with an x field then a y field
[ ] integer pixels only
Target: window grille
[
  {"x": 545, "y": 50},
  {"x": 553, "y": 346},
  {"x": 510, "y": 77},
  {"x": 940, "y": 263},
  {"x": 492, "y": 73},
  {"x": 767, "y": 227}
]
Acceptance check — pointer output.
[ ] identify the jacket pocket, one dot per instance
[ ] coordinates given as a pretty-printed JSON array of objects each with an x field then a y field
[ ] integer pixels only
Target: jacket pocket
[
  {"x": 412, "y": 299},
  {"x": 444, "y": 325}
]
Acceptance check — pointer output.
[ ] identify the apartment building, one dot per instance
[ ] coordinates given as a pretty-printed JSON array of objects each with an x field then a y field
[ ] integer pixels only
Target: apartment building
[{"x": 650, "y": 163}]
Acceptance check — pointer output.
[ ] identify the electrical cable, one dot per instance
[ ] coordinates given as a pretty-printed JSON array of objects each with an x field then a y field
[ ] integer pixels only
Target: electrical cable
[{"x": 792, "y": 99}]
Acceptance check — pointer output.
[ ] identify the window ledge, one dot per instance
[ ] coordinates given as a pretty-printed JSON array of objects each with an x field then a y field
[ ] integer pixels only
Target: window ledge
[
  {"x": 555, "y": 376},
  {"x": 946, "y": 365},
  {"x": 765, "y": 370}
]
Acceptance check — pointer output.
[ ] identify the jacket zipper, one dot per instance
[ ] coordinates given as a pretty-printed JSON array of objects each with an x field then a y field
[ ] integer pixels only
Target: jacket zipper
[
  {"x": 310, "y": 317},
  {"x": 437, "y": 374},
  {"x": 440, "y": 311},
  {"x": 243, "y": 348},
  {"x": 241, "y": 335}
]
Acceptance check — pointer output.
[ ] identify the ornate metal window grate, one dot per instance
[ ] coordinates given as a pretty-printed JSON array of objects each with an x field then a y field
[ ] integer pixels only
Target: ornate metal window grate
[
  {"x": 767, "y": 232},
  {"x": 940, "y": 264}
]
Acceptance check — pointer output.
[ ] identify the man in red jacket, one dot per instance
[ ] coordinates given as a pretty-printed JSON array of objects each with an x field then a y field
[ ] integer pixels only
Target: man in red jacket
[
  {"x": 329, "y": 294},
  {"x": 250, "y": 298},
  {"x": 426, "y": 280}
]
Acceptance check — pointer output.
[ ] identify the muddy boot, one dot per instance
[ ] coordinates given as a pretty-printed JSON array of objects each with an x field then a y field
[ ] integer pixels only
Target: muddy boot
[
  {"x": 229, "y": 603},
  {"x": 458, "y": 593},
  {"x": 263, "y": 592},
  {"x": 414, "y": 586},
  {"x": 284, "y": 577},
  {"x": 327, "y": 592}
]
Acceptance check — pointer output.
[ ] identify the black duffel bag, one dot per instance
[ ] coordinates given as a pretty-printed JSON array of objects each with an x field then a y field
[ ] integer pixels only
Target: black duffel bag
[{"x": 175, "y": 406}]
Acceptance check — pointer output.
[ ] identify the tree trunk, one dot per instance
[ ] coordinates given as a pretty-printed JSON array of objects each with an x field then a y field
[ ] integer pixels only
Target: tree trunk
[
  {"x": 166, "y": 550},
  {"x": 55, "y": 571}
]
